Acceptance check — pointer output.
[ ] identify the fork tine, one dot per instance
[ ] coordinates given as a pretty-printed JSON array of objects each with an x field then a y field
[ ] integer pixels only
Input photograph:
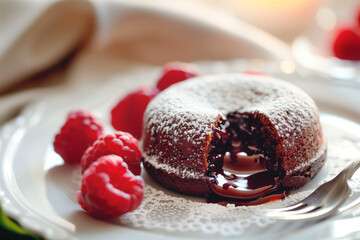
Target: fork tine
[
  {"x": 304, "y": 216},
  {"x": 289, "y": 208},
  {"x": 305, "y": 209}
]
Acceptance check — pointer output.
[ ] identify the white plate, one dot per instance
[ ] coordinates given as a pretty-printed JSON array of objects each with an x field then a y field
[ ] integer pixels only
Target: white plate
[{"x": 37, "y": 190}]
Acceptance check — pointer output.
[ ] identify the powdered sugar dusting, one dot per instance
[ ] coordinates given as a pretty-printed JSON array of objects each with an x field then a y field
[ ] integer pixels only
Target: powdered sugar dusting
[
  {"x": 173, "y": 170},
  {"x": 189, "y": 110},
  {"x": 164, "y": 211}
]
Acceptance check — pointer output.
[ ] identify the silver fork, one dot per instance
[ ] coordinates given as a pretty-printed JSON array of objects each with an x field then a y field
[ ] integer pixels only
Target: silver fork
[{"x": 323, "y": 202}]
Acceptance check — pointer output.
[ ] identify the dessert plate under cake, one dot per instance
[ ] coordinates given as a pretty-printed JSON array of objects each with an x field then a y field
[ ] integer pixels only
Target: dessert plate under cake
[{"x": 41, "y": 193}]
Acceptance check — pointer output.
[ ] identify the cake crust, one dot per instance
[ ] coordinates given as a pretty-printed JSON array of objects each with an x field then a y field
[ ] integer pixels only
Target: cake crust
[{"x": 179, "y": 127}]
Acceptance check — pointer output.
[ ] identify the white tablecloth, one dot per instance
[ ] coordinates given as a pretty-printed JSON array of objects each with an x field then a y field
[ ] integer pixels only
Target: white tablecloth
[{"x": 48, "y": 46}]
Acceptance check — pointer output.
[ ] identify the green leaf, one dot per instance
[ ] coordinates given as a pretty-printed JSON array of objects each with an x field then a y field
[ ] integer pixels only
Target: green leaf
[{"x": 12, "y": 226}]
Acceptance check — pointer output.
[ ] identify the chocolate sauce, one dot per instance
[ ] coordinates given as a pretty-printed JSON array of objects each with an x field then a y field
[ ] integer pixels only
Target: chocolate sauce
[
  {"x": 239, "y": 162},
  {"x": 274, "y": 196}
]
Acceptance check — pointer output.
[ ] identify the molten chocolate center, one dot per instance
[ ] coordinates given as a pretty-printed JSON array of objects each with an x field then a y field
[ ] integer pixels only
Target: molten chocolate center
[{"x": 242, "y": 160}]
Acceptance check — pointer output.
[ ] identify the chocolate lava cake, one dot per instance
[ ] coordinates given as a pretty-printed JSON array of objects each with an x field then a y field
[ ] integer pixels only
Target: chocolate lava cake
[{"x": 238, "y": 136}]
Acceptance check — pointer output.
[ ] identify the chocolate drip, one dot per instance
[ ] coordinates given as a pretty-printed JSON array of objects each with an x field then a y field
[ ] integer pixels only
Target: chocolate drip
[{"x": 241, "y": 166}]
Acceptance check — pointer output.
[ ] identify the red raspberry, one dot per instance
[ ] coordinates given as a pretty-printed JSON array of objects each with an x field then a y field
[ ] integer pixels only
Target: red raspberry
[
  {"x": 128, "y": 114},
  {"x": 175, "y": 72},
  {"x": 80, "y": 130},
  {"x": 252, "y": 72},
  {"x": 347, "y": 44},
  {"x": 109, "y": 189},
  {"x": 119, "y": 143}
]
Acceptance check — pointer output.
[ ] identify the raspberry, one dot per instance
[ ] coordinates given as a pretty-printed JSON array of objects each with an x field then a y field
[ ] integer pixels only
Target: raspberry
[
  {"x": 128, "y": 114},
  {"x": 252, "y": 72},
  {"x": 80, "y": 130},
  {"x": 347, "y": 44},
  {"x": 175, "y": 72},
  {"x": 119, "y": 143},
  {"x": 109, "y": 189}
]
